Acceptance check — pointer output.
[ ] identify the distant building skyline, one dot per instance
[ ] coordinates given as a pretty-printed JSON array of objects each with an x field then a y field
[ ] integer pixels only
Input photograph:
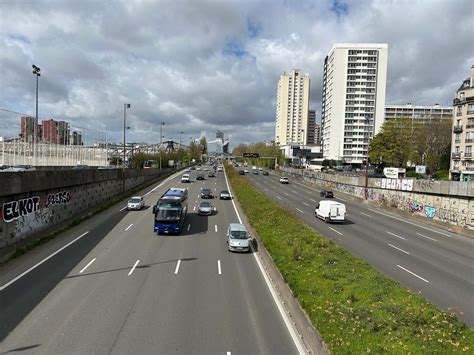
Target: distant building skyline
[{"x": 420, "y": 113}]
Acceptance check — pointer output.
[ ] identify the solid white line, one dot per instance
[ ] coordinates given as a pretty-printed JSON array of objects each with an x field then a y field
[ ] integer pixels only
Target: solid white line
[
  {"x": 340, "y": 199},
  {"x": 403, "y": 251},
  {"x": 85, "y": 267},
  {"x": 133, "y": 268},
  {"x": 304, "y": 203},
  {"x": 414, "y": 224},
  {"x": 123, "y": 208},
  {"x": 299, "y": 210},
  {"x": 365, "y": 214},
  {"x": 215, "y": 227},
  {"x": 177, "y": 267},
  {"x": 424, "y": 236},
  {"x": 335, "y": 231},
  {"x": 313, "y": 200},
  {"x": 219, "y": 271},
  {"x": 289, "y": 326},
  {"x": 402, "y": 238},
  {"x": 401, "y": 267},
  {"x": 126, "y": 229},
  {"x": 278, "y": 197},
  {"x": 189, "y": 227},
  {"x": 41, "y": 262}
]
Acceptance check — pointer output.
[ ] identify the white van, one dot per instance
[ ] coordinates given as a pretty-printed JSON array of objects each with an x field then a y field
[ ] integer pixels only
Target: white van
[
  {"x": 185, "y": 178},
  {"x": 331, "y": 211}
]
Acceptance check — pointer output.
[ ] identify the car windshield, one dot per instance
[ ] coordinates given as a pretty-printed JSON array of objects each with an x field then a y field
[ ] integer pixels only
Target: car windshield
[
  {"x": 205, "y": 204},
  {"x": 206, "y": 191},
  {"x": 224, "y": 192},
  {"x": 238, "y": 234},
  {"x": 134, "y": 200}
]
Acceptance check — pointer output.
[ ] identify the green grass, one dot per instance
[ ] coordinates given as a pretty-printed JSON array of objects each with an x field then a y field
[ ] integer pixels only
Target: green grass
[{"x": 355, "y": 308}]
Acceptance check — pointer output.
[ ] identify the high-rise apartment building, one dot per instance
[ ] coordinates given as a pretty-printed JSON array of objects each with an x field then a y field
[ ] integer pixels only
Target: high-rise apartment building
[
  {"x": 311, "y": 126},
  {"x": 353, "y": 100},
  {"x": 75, "y": 138},
  {"x": 27, "y": 129},
  {"x": 419, "y": 113},
  {"x": 292, "y": 109},
  {"x": 462, "y": 163},
  {"x": 56, "y": 132}
]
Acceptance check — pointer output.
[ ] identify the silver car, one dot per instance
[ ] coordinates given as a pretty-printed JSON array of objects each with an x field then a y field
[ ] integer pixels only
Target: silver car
[
  {"x": 238, "y": 239},
  {"x": 205, "y": 208},
  {"x": 135, "y": 203}
]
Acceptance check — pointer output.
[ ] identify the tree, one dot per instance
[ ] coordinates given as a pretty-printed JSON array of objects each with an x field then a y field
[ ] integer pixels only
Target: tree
[{"x": 203, "y": 144}]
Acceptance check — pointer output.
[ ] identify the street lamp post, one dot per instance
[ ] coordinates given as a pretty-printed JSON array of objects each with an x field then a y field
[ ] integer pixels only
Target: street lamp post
[
  {"x": 125, "y": 107},
  {"x": 36, "y": 71},
  {"x": 161, "y": 140}
]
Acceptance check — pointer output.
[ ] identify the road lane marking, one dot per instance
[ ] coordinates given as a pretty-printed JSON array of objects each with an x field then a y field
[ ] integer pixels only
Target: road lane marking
[
  {"x": 293, "y": 333},
  {"x": 425, "y": 236},
  {"x": 133, "y": 268},
  {"x": 365, "y": 214},
  {"x": 401, "y": 267},
  {"x": 266, "y": 189},
  {"x": 161, "y": 184},
  {"x": 123, "y": 208},
  {"x": 150, "y": 207},
  {"x": 286, "y": 193},
  {"x": 215, "y": 227},
  {"x": 177, "y": 267},
  {"x": 304, "y": 203},
  {"x": 41, "y": 262},
  {"x": 85, "y": 267},
  {"x": 313, "y": 200},
  {"x": 278, "y": 197},
  {"x": 335, "y": 231},
  {"x": 194, "y": 208},
  {"x": 295, "y": 192},
  {"x": 228, "y": 353},
  {"x": 340, "y": 199},
  {"x": 126, "y": 229},
  {"x": 299, "y": 210},
  {"x": 414, "y": 224},
  {"x": 402, "y": 238},
  {"x": 219, "y": 271},
  {"x": 403, "y": 251},
  {"x": 189, "y": 227}
]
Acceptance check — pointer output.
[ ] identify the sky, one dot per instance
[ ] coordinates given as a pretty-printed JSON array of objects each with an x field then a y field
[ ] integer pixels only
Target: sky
[{"x": 199, "y": 66}]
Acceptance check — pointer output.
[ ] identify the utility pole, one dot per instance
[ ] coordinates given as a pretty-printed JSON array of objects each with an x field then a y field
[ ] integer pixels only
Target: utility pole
[
  {"x": 125, "y": 106},
  {"x": 161, "y": 140},
  {"x": 36, "y": 71}
]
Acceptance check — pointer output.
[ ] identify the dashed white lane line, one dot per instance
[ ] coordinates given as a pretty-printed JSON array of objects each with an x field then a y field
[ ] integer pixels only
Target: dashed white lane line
[
  {"x": 278, "y": 197},
  {"x": 410, "y": 272},
  {"x": 425, "y": 236},
  {"x": 215, "y": 227},
  {"x": 304, "y": 203},
  {"x": 150, "y": 207},
  {"x": 313, "y": 200},
  {"x": 266, "y": 189},
  {"x": 194, "y": 208},
  {"x": 228, "y": 353},
  {"x": 189, "y": 227},
  {"x": 294, "y": 191},
  {"x": 403, "y": 251},
  {"x": 397, "y": 236},
  {"x": 41, "y": 262},
  {"x": 133, "y": 268},
  {"x": 176, "y": 270},
  {"x": 299, "y": 210},
  {"x": 123, "y": 208},
  {"x": 286, "y": 193},
  {"x": 219, "y": 271},
  {"x": 365, "y": 214},
  {"x": 85, "y": 267},
  {"x": 130, "y": 226},
  {"x": 335, "y": 231}
]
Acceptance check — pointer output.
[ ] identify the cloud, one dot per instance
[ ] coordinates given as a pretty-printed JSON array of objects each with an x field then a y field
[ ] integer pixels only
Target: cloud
[{"x": 205, "y": 65}]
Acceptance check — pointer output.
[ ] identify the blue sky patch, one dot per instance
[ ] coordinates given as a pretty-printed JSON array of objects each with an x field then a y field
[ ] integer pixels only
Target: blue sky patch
[
  {"x": 253, "y": 28},
  {"x": 340, "y": 8},
  {"x": 16, "y": 37},
  {"x": 234, "y": 49}
]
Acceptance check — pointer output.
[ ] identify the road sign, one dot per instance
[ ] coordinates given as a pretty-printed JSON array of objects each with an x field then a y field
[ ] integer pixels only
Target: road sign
[{"x": 250, "y": 155}]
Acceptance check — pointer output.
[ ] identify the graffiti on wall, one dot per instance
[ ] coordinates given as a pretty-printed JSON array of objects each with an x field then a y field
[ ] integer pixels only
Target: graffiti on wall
[
  {"x": 418, "y": 207},
  {"x": 59, "y": 198},
  {"x": 397, "y": 184},
  {"x": 15, "y": 209}
]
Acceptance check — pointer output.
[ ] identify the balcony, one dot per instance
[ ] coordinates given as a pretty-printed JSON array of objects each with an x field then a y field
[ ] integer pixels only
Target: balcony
[
  {"x": 456, "y": 156},
  {"x": 468, "y": 156},
  {"x": 457, "y": 141},
  {"x": 457, "y": 129},
  {"x": 469, "y": 140}
]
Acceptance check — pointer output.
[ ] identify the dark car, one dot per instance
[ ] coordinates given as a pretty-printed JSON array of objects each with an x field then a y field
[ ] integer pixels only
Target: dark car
[
  {"x": 326, "y": 194},
  {"x": 211, "y": 174},
  {"x": 200, "y": 177},
  {"x": 206, "y": 193},
  {"x": 241, "y": 172},
  {"x": 265, "y": 172}
]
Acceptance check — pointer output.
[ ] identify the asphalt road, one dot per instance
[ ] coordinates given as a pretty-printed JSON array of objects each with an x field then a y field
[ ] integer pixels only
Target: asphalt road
[
  {"x": 116, "y": 287},
  {"x": 437, "y": 263}
]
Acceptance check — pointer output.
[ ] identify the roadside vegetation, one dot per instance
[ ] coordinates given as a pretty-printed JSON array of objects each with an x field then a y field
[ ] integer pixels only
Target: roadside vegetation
[
  {"x": 266, "y": 151},
  {"x": 355, "y": 308}
]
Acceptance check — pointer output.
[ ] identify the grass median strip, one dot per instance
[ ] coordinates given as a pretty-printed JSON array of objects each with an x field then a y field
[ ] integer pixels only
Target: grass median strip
[{"x": 354, "y": 307}]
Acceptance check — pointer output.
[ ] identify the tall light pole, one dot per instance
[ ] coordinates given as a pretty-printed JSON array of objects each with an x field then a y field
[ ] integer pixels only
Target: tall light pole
[
  {"x": 125, "y": 107},
  {"x": 161, "y": 140},
  {"x": 36, "y": 71}
]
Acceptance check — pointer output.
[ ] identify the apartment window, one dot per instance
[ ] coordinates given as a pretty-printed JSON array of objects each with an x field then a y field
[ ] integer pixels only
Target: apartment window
[
  {"x": 470, "y": 108},
  {"x": 458, "y": 111},
  {"x": 461, "y": 96},
  {"x": 468, "y": 151}
]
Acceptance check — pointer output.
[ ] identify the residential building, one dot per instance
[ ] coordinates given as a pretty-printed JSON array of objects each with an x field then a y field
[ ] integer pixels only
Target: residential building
[
  {"x": 56, "y": 132},
  {"x": 75, "y": 138},
  {"x": 311, "y": 127},
  {"x": 419, "y": 113},
  {"x": 292, "y": 109},
  {"x": 317, "y": 134},
  {"x": 353, "y": 100},
  {"x": 462, "y": 162},
  {"x": 27, "y": 129}
]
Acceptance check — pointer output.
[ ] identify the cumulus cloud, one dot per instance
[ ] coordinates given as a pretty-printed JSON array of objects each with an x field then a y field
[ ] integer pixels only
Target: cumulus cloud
[{"x": 205, "y": 65}]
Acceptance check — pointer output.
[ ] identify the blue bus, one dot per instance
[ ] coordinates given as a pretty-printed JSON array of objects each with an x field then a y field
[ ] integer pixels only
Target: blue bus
[{"x": 170, "y": 211}]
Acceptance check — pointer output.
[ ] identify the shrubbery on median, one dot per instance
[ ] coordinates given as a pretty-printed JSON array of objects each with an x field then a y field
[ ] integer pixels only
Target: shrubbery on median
[{"x": 354, "y": 307}]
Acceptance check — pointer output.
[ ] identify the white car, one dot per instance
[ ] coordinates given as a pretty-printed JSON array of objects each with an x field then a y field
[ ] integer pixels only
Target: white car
[
  {"x": 187, "y": 170},
  {"x": 136, "y": 203},
  {"x": 284, "y": 180},
  {"x": 220, "y": 168},
  {"x": 185, "y": 178},
  {"x": 237, "y": 238}
]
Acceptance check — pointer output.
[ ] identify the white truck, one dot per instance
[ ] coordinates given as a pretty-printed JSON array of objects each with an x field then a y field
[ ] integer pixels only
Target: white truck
[{"x": 331, "y": 211}]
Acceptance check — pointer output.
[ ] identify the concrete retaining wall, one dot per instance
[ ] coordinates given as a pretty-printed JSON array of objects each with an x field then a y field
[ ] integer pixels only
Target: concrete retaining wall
[
  {"x": 37, "y": 202},
  {"x": 446, "y": 201}
]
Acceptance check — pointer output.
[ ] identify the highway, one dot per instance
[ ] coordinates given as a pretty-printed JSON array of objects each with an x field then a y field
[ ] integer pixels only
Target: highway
[
  {"x": 437, "y": 263},
  {"x": 110, "y": 285}
]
